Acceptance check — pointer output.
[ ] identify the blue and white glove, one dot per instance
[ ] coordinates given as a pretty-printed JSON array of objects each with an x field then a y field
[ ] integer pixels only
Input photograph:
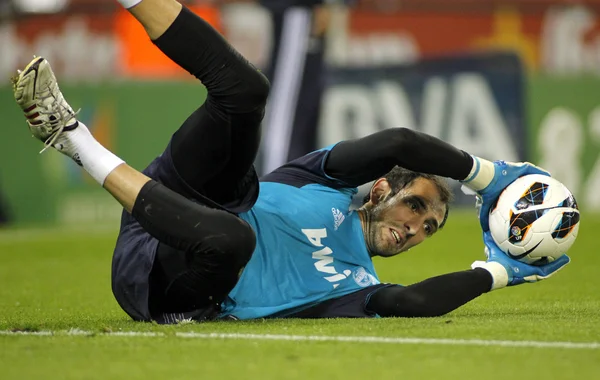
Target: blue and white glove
[
  {"x": 509, "y": 272},
  {"x": 489, "y": 179}
]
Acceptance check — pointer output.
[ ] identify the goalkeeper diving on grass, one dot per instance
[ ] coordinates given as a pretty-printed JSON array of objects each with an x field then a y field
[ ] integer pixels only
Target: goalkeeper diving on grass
[{"x": 203, "y": 238}]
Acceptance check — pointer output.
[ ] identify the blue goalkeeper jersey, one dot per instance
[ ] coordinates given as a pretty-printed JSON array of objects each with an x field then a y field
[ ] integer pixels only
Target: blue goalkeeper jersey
[{"x": 310, "y": 246}]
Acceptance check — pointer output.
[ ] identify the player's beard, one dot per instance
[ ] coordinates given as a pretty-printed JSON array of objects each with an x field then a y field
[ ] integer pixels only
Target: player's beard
[{"x": 374, "y": 225}]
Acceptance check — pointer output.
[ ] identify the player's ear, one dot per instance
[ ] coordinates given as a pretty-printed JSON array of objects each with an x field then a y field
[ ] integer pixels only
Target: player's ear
[{"x": 379, "y": 191}]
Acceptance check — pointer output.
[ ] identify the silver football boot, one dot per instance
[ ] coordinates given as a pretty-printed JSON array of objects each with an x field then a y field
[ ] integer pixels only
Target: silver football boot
[{"x": 47, "y": 112}]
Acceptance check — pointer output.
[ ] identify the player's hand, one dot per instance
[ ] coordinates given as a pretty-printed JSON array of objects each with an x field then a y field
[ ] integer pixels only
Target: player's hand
[
  {"x": 504, "y": 174},
  {"x": 509, "y": 272}
]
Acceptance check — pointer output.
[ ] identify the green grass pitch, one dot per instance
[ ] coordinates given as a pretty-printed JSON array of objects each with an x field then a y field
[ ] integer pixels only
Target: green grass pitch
[{"x": 59, "y": 281}]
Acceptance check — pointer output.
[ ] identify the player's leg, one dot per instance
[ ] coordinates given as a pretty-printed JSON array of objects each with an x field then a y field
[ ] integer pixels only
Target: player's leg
[
  {"x": 156, "y": 16},
  {"x": 50, "y": 118},
  {"x": 166, "y": 215},
  {"x": 213, "y": 151}
]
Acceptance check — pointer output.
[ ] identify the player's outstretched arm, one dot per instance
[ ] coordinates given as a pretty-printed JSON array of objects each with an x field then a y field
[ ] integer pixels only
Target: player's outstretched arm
[
  {"x": 368, "y": 158},
  {"x": 365, "y": 159},
  {"x": 432, "y": 297},
  {"x": 442, "y": 294}
]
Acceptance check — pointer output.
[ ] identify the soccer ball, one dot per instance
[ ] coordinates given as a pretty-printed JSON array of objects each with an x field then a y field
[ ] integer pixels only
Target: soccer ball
[{"x": 535, "y": 218}]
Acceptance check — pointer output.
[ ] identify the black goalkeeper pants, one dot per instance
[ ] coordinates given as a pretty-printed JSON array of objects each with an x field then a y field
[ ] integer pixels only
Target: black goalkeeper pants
[{"x": 203, "y": 245}]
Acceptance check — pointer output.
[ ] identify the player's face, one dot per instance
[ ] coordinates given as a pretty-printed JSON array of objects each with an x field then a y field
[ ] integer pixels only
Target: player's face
[{"x": 406, "y": 219}]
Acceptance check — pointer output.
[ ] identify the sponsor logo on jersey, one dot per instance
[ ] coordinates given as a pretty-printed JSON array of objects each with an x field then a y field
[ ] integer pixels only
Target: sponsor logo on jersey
[{"x": 324, "y": 257}]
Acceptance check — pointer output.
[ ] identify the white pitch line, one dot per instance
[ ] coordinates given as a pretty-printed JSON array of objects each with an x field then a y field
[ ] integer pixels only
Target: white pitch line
[{"x": 318, "y": 338}]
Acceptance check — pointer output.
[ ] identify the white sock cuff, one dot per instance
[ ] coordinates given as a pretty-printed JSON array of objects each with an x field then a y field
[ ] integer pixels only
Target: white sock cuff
[
  {"x": 474, "y": 170},
  {"x": 497, "y": 270},
  {"x": 129, "y": 3},
  {"x": 481, "y": 174},
  {"x": 101, "y": 167},
  {"x": 82, "y": 147}
]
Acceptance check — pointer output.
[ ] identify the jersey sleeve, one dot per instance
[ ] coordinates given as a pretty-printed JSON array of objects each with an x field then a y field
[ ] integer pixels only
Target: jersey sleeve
[
  {"x": 370, "y": 157},
  {"x": 306, "y": 170}
]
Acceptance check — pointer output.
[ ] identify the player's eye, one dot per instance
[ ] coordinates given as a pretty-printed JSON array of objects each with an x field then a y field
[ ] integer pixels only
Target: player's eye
[
  {"x": 428, "y": 229},
  {"x": 414, "y": 206}
]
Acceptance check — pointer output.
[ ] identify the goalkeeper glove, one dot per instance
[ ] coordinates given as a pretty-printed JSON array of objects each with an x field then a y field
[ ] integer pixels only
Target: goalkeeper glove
[
  {"x": 507, "y": 271},
  {"x": 489, "y": 179}
]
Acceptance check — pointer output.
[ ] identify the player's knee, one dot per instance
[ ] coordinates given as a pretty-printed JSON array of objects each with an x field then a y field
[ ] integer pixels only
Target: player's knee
[
  {"x": 243, "y": 242},
  {"x": 237, "y": 244},
  {"x": 243, "y": 90},
  {"x": 256, "y": 91}
]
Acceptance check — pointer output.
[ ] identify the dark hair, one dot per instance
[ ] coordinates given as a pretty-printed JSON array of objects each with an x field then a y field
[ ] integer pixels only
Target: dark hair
[{"x": 399, "y": 178}]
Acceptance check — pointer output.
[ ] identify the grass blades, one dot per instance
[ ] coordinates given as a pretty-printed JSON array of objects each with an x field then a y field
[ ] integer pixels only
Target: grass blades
[{"x": 59, "y": 281}]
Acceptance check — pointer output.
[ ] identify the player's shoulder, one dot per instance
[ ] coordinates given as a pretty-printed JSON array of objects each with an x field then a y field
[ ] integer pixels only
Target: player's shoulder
[{"x": 307, "y": 170}]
